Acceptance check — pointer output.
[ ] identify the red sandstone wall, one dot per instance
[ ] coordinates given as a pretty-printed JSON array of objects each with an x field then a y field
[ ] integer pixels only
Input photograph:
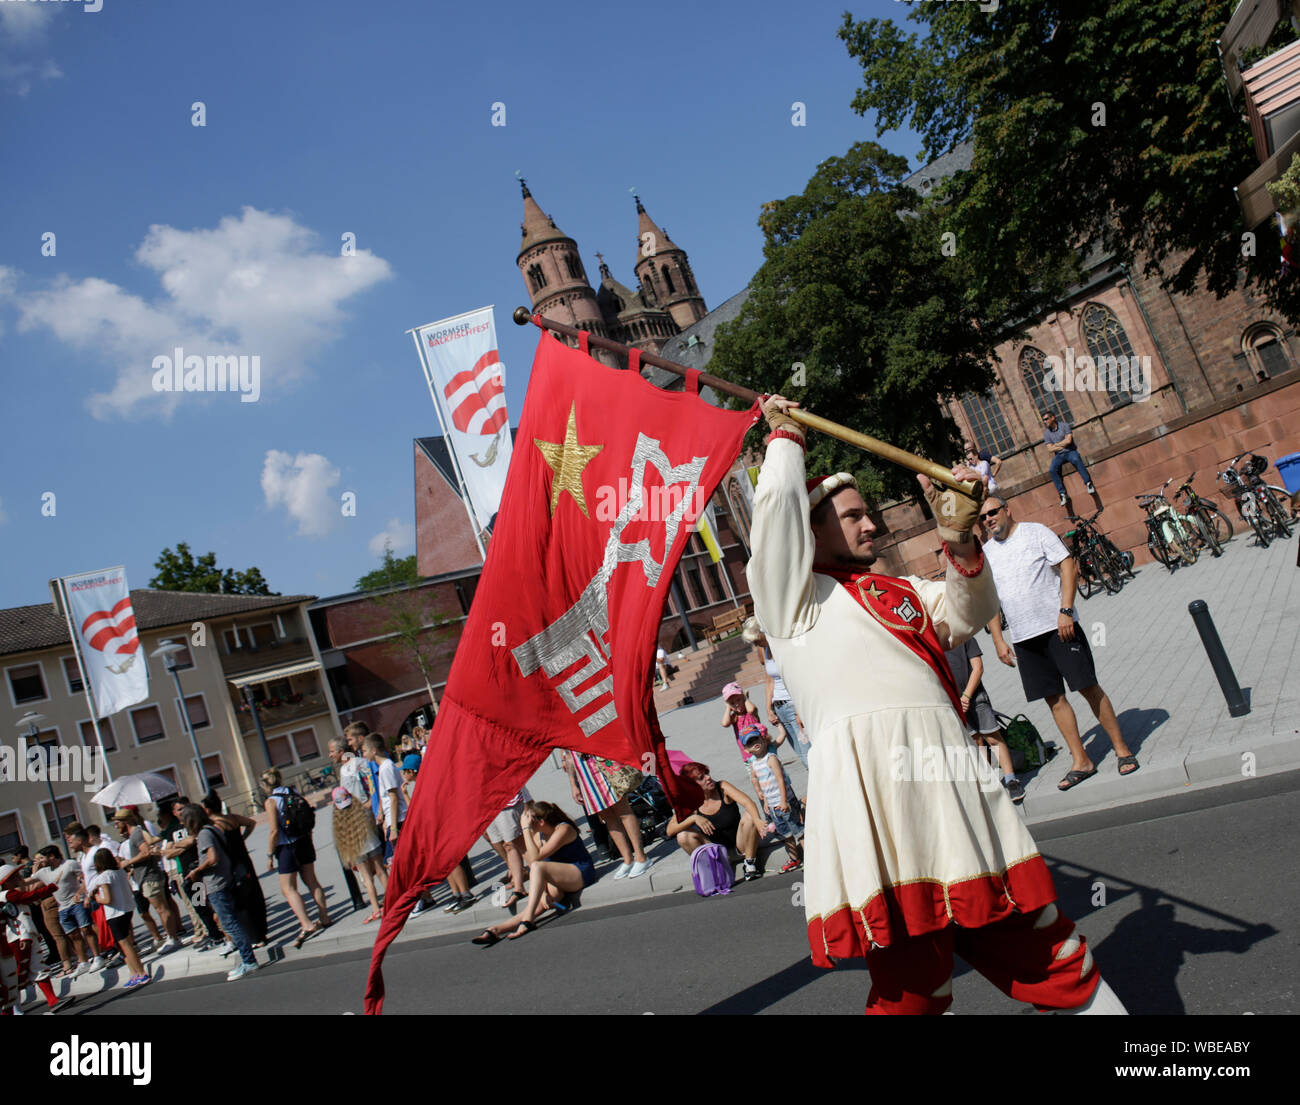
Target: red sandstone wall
[{"x": 444, "y": 540}]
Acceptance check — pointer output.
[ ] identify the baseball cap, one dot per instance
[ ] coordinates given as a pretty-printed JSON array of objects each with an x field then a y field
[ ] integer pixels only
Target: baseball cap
[
  {"x": 732, "y": 688},
  {"x": 341, "y": 798},
  {"x": 411, "y": 762}
]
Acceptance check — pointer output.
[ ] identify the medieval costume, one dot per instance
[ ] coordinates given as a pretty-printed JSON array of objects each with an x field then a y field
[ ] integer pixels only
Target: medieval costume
[{"x": 910, "y": 853}]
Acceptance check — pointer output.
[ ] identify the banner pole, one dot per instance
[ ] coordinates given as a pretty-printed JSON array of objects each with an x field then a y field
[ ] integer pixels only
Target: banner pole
[
  {"x": 936, "y": 472},
  {"x": 451, "y": 449},
  {"x": 85, "y": 683}
]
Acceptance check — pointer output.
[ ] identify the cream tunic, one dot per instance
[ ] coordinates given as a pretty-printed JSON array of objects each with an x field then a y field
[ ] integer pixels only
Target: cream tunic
[{"x": 905, "y": 833}]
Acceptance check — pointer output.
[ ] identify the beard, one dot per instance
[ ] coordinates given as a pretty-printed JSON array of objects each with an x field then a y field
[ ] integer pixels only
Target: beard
[{"x": 858, "y": 559}]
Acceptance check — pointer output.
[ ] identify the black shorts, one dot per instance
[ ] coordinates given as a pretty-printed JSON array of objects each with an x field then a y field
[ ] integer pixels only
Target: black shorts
[
  {"x": 120, "y": 927},
  {"x": 291, "y": 858},
  {"x": 1047, "y": 663}
]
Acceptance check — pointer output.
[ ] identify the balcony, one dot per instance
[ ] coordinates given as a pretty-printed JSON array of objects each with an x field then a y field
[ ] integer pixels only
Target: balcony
[
  {"x": 285, "y": 711},
  {"x": 273, "y": 654}
]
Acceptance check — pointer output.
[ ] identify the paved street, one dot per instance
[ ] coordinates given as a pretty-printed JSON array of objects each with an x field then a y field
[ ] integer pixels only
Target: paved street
[{"x": 1194, "y": 921}]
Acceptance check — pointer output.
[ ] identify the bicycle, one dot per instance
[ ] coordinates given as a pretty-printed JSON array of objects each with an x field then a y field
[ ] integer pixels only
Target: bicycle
[
  {"x": 1101, "y": 564},
  {"x": 1256, "y": 501},
  {"x": 1213, "y": 524},
  {"x": 1170, "y": 536}
]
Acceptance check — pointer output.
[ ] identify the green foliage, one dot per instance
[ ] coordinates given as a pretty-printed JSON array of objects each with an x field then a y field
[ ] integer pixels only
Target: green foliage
[
  {"x": 857, "y": 288},
  {"x": 390, "y": 573},
  {"x": 180, "y": 571},
  {"x": 1152, "y": 183}
]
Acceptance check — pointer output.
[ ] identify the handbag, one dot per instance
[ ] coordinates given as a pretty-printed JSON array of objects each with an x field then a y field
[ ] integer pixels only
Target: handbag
[
  {"x": 622, "y": 779},
  {"x": 1027, "y": 748}
]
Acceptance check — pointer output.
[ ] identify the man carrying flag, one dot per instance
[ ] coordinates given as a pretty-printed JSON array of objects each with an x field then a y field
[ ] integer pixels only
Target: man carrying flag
[
  {"x": 558, "y": 647},
  {"x": 902, "y": 867}
]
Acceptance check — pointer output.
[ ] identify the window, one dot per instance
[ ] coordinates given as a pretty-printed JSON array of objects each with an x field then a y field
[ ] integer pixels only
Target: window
[
  {"x": 1033, "y": 368},
  {"x": 27, "y": 684},
  {"x": 575, "y": 267},
  {"x": 714, "y": 572},
  {"x": 48, "y": 739},
  {"x": 148, "y": 724},
  {"x": 1264, "y": 351},
  {"x": 169, "y": 773},
  {"x": 215, "y": 770},
  {"x": 197, "y": 708},
  {"x": 304, "y": 743},
  {"x": 11, "y": 833},
  {"x": 987, "y": 423},
  {"x": 182, "y": 659},
  {"x": 694, "y": 576},
  {"x": 668, "y": 279},
  {"x": 248, "y": 636},
  {"x": 105, "y": 731},
  {"x": 281, "y": 751},
  {"x": 1109, "y": 347},
  {"x": 72, "y": 675},
  {"x": 67, "y": 815},
  {"x": 536, "y": 277}
]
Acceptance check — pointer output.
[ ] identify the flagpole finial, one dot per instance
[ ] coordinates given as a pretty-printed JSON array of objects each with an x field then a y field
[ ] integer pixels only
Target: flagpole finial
[{"x": 522, "y": 316}]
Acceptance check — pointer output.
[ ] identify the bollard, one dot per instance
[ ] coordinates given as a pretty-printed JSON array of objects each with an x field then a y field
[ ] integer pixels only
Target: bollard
[{"x": 1232, "y": 692}]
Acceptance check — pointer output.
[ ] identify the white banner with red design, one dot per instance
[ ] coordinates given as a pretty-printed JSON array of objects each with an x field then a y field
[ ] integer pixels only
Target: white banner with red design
[
  {"x": 99, "y": 607},
  {"x": 467, "y": 381}
]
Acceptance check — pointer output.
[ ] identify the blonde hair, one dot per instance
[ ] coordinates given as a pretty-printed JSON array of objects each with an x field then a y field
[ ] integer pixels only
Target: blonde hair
[
  {"x": 272, "y": 777},
  {"x": 751, "y": 630}
]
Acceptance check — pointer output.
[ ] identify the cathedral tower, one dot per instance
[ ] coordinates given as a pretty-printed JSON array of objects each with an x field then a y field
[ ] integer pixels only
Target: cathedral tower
[{"x": 665, "y": 274}]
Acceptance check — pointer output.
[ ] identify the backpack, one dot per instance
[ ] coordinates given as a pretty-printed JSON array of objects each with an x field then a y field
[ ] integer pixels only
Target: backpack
[
  {"x": 711, "y": 870},
  {"x": 296, "y": 815},
  {"x": 1026, "y": 746}
]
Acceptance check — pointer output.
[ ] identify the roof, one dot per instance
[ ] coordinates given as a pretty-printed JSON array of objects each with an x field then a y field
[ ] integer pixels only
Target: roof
[
  {"x": 955, "y": 160},
  {"x": 29, "y": 628},
  {"x": 435, "y": 448},
  {"x": 537, "y": 226},
  {"x": 698, "y": 353}
]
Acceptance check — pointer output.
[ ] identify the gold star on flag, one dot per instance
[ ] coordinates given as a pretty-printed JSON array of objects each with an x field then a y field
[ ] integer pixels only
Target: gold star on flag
[{"x": 567, "y": 460}]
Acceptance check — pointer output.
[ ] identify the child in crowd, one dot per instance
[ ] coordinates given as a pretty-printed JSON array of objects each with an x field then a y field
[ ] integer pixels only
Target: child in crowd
[
  {"x": 740, "y": 715},
  {"x": 112, "y": 889},
  {"x": 966, "y": 662},
  {"x": 776, "y": 796}
]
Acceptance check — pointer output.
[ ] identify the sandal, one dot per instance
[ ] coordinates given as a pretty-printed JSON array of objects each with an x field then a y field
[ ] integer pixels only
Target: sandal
[
  {"x": 1074, "y": 778},
  {"x": 487, "y": 939},
  {"x": 515, "y": 898},
  {"x": 526, "y": 926},
  {"x": 304, "y": 936},
  {"x": 374, "y": 916},
  {"x": 1125, "y": 761}
]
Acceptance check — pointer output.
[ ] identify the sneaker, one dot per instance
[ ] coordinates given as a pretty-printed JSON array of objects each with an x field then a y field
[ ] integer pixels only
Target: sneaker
[
  {"x": 226, "y": 949},
  {"x": 114, "y": 961},
  {"x": 461, "y": 904},
  {"x": 45, "y": 973},
  {"x": 83, "y": 968},
  {"x": 1091, "y": 490},
  {"x": 167, "y": 947},
  {"x": 138, "y": 981},
  {"x": 1063, "y": 498},
  {"x": 421, "y": 907},
  {"x": 624, "y": 869},
  {"x": 452, "y": 906},
  {"x": 1014, "y": 788},
  {"x": 639, "y": 869},
  {"x": 751, "y": 871},
  {"x": 793, "y": 865},
  {"x": 240, "y": 971},
  {"x": 97, "y": 964}
]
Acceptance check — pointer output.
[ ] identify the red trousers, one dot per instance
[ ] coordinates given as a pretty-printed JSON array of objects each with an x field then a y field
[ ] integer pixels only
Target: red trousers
[{"x": 1036, "y": 958}]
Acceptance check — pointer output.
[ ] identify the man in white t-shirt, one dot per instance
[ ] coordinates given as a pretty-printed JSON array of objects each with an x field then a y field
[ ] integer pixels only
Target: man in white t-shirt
[
  {"x": 392, "y": 800},
  {"x": 1035, "y": 577}
]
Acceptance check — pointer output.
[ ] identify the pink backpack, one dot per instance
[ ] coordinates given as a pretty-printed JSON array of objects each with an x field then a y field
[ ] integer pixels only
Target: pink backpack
[{"x": 711, "y": 870}]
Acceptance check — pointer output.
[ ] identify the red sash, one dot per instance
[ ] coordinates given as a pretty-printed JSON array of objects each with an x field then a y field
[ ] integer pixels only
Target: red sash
[{"x": 895, "y": 604}]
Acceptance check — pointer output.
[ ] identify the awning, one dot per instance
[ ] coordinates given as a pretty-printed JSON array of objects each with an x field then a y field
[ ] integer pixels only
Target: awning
[{"x": 266, "y": 676}]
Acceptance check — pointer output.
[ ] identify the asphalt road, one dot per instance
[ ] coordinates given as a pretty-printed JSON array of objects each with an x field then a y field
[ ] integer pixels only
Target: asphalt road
[{"x": 1189, "y": 904}]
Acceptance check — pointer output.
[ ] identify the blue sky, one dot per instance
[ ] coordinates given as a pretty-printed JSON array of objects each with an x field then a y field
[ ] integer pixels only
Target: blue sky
[{"x": 323, "y": 120}]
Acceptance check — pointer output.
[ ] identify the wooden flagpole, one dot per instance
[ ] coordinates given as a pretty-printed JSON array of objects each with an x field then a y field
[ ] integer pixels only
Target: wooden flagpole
[{"x": 936, "y": 472}]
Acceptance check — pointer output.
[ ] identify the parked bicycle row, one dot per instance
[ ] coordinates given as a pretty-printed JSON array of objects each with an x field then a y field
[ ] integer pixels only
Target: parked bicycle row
[{"x": 1179, "y": 530}]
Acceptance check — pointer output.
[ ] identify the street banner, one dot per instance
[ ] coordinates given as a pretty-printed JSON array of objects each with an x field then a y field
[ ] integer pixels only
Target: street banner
[
  {"x": 558, "y": 648},
  {"x": 103, "y": 623},
  {"x": 467, "y": 381},
  {"x": 707, "y": 526}
]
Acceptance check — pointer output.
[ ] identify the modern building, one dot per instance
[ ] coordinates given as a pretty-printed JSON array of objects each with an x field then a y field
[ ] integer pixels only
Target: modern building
[{"x": 251, "y": 680}]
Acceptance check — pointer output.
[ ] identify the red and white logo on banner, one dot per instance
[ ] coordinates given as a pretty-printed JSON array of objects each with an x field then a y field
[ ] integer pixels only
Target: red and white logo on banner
[
  {"x": 113, "y": 633},
  {"x": 476, "y": 397},
  {"x": 99, "y": 609}
]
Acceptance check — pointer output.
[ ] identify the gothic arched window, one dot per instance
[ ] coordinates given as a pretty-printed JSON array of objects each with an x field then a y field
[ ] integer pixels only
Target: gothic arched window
[
  {"x": 575, "y": 266},
  {"x": 987, "y": 422},
  {"x": 668, "y": 279},
  {"x": 1111, "y": 352},
  {"x": 1033, "y": 368}
]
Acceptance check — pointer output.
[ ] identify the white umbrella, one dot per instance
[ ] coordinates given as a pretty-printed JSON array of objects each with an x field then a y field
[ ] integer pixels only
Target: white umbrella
[{"x": 135, "y": 790}]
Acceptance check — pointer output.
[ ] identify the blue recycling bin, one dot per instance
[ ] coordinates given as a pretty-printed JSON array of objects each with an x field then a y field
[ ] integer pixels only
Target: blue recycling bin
[{"x": 1288, "y": 467}]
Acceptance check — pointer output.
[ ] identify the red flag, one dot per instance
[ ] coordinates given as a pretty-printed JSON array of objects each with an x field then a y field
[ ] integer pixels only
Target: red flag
[{"x": 608, "y": 475}]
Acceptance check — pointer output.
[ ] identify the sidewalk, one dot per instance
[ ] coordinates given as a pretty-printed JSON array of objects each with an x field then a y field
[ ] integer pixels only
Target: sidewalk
[{"x": 1149, "y": 660}]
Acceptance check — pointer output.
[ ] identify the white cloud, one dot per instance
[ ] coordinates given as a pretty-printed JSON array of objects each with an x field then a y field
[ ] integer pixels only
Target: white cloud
[
  {"x": 399, "y": 534},
  {"x": 25, "y": 22},
  {"x": 301, "y": 484},
  {"x": 252, "y": 285},
  {"x": 22, "y": 31}
]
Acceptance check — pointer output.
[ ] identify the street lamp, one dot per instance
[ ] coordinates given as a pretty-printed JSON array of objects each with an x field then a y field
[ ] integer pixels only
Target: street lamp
[
  {"x": 30, "y": 725},
  {"x": 166, "y": 652}
]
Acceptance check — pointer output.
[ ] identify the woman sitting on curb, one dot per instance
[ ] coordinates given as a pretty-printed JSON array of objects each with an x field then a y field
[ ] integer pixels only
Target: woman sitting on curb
[
  {"x": 558, "y": 864},
  {"x": 727, "y": 816}
]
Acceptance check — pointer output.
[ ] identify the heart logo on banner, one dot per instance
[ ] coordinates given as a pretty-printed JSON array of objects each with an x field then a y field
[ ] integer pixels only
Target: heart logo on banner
[{"x": 115, "y": 628}]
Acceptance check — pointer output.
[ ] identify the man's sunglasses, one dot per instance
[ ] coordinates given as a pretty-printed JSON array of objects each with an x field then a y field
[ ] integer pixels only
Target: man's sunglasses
[{"x": 991, "y": 513}]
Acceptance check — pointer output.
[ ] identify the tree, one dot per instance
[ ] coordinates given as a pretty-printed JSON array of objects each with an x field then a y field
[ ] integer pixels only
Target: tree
[
  {"x": 1095, "y": 122},
  {"x": 180, "y": 571},
  {"x": 391, "y": 571},
  {"x": 406, "y": 614},
  {"x": 862, "y": 313}
]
